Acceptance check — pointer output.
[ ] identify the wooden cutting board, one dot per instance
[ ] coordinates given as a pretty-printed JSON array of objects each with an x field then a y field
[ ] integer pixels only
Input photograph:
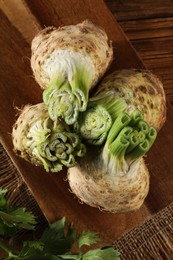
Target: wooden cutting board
[{"x": 18, "y": 88}]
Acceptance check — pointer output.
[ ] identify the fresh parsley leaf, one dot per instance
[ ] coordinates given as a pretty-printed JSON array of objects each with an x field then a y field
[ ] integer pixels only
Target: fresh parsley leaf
[
  {"x": 36, "y": 251},
  {"x": 35, "y": 245},
  {"x": 18, "y": 217},
  {"x": 55, "y": 240},
  {"x": 5, "y": 230},
  {"x": 31, "y": 249},
  {"x": 87, "y": 238},
  {"x": 105, "y": 253},
  {"x": 12, "y": 219}
]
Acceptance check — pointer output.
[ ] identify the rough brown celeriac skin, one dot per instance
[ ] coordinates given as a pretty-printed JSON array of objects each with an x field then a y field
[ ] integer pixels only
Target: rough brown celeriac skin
[
  {"x": 85, "y": 38},
  {"x": 113, "y": 193},
  {"x": 140, "y": 89}
]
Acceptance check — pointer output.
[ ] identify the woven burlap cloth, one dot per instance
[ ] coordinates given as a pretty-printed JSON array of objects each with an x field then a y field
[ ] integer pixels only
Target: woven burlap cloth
[{"x": 151, "y": 240}]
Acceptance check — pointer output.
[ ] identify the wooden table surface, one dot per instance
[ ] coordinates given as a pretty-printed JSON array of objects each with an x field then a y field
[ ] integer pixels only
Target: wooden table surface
[
  {"x": 146, "y": 32},
  {"x": 148, "y": 25}
]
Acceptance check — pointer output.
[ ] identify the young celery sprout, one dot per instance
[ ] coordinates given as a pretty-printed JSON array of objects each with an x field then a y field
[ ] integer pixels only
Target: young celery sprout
[
  {"x": 67, "y": 62},
  {"x": 93, "y": 124},
  {"x": 42, "y": 141},
  {"x": 116, "y": 178}
]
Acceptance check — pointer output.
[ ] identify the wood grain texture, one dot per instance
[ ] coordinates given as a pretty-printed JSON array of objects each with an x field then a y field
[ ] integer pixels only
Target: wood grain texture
[
  {"x": 149, "y": 27},
  {"x": 20, "y": 16},
  {"x": 134, "y": 10},
  {"x": 18, "y": 88}
]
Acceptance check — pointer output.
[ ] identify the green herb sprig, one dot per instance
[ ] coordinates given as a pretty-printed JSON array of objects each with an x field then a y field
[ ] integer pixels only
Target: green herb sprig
[{"x": 55, "y": 243}]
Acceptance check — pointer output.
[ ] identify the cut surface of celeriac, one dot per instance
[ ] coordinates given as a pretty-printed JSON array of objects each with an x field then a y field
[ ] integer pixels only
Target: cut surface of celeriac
[
  {"x": 42, "y": 141},
  {"x": 67, "y": 62}
]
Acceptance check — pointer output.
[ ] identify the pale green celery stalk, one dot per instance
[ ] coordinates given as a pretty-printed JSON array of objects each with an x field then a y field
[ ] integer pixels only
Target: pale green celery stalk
[
  {"x": 65, "y": 97},
  {"x": 117, "y": 149},
  {"x": 129, "y": 138},
  {"x": 151, "y": 136},
  {"x": 136, "y": 116},
  {"x": 113, "y": 105},
  {"x": 143, "y": 126},
  {"x": 93, "y": 124},
  {"x": 142, "y": 148},
  {"x": 135, "y": 138},
  {"x": 122, "y": 120},
  {"x": 125, "y": 133},
  {"x": 138, "y": 152},
  {"x": 80, "y": 83}
]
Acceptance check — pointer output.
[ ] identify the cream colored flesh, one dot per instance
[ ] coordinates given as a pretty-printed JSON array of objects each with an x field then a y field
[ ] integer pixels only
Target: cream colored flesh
[{"x": 64, "y": 63}]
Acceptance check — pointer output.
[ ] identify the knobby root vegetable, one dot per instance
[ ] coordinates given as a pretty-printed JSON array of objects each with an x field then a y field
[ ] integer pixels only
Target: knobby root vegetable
[
  {"x": 139, "y": 89},
  {"x": 67, "y": 62},
  {"x": 42, "y": 141},
  {"x": 109, "y": 192},
  {"x": 115, "y": 178}
]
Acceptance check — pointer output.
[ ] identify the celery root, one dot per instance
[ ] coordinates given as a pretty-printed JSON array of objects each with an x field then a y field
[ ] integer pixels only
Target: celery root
[
  {"x": 109, "y": 192},
  {"x": 67, "y": 62},
  {"x": 41, "y": 141},
  {"x": 114, "y": 177},
  {"x": 140, "y": 89}
]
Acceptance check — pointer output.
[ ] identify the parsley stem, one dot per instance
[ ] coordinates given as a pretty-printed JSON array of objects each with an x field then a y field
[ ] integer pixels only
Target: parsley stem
[
  {"x": 70, "y": 257},
  {"x": 7, "y": 249}
]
